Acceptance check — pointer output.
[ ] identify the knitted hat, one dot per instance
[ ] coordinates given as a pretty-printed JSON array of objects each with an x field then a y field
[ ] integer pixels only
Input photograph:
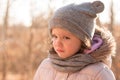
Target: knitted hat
[{"x": 78, "y": 19}]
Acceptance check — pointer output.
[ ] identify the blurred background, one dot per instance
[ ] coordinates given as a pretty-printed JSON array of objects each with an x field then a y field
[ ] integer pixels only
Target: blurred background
[{"x": 24, "y": 40}]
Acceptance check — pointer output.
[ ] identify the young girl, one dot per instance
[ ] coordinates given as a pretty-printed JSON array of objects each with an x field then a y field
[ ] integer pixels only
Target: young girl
[{"x": 80, "y": 50}]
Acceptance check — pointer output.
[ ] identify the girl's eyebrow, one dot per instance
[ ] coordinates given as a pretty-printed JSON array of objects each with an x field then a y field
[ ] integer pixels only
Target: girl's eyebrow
[{"x": 53, "y": 35}]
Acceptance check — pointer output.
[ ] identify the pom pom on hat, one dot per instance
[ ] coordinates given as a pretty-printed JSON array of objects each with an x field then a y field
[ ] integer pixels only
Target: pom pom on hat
[{"x": 98, "y": 6}]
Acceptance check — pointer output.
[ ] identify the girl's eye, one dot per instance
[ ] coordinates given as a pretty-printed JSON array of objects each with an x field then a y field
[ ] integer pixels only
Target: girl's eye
[
  {"x": 65, "y": 37},
  {"x": 54, "y": 36}
]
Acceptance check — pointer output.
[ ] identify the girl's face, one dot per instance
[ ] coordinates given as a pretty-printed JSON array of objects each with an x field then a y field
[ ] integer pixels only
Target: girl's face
[{"x": 65, "y": 43}]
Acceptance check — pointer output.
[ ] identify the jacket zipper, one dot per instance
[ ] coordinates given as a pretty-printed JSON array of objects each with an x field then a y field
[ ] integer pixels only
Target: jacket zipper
[{"x": 67, "y": 76}]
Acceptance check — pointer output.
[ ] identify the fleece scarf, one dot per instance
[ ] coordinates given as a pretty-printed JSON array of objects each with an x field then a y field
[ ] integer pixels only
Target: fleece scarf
[{"x": 103, "y": 48}]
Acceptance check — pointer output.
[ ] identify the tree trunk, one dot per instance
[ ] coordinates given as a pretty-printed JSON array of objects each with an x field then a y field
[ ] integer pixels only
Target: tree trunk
[
  {"x": 4, "y": 37},
  {"x": 30, "y": 69},
  {"x": 98, "y": 22},
  {"x": 111, "y": 17}
]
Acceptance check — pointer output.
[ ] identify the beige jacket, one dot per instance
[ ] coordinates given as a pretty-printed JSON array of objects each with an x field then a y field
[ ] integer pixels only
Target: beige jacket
[{"x": 97, "y": 71}]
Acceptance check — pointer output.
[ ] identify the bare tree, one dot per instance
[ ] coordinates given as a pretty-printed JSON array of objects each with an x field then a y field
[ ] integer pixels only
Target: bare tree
[
  {"x": 30, "y": 61},
  {"x": 115, "y": 59},
  {"x": 4, "y": 37},
  {"x": 111, "y": 17},
  {"x": 98, "y": 22}
]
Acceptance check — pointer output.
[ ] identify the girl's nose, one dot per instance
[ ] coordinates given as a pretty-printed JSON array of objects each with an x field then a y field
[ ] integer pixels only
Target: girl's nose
[{"x": 57, "y": 43}]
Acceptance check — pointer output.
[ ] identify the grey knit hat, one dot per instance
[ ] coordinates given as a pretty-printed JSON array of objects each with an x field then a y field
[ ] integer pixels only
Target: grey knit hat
[{"x": 78, "y": 19}]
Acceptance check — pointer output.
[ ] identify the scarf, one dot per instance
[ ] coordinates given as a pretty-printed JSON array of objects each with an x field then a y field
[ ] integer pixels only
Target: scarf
[
  {"x": 103, "y": 47},
  {"x": 71, "y": 64}
]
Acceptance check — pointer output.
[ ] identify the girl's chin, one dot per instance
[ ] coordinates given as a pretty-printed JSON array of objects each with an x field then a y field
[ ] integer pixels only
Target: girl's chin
[{"x": 62, "y": 56}]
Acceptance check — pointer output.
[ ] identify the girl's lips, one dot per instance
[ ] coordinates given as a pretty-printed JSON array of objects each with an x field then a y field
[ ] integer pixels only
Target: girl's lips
[{"x": 59, "y": 50}]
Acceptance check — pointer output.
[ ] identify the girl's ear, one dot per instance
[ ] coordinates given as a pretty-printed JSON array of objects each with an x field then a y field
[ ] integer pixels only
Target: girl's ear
[{"x": 83, "y": 47}]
